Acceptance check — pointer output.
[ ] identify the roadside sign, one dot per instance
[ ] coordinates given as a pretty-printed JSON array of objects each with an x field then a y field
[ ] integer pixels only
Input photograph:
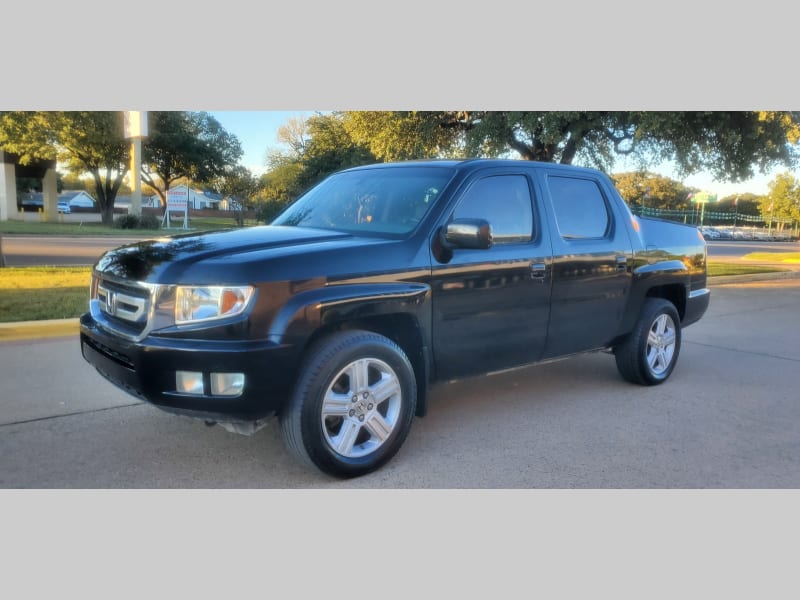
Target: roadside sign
[{"x": 178, "y": 202}]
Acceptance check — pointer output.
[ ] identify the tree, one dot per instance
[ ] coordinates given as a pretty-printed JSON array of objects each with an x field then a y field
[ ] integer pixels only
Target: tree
[
  {"x": 742, "y": 204},
  {"x": 277, "y": 187},
  {"x": 239, "y": 185},
  {"x": 318, "y": 147},
  {"x": 294, "y": 134},
  {"x": 730, "y": 145},
  {"x": 782, "y": 202},
  {"x": 189, "y": 145},
  {"x": 330, "y": 148},
  {"x": 82, "y": 141},
  {"x": 651, "y": 190}
]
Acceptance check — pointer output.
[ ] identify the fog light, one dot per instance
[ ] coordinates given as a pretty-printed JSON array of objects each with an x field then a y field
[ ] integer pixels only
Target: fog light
[
  {"x": 189, "y": 382},
  {"x": 227, "y": 384}
]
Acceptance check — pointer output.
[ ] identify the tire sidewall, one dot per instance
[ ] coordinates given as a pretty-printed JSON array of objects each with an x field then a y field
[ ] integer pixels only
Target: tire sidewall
[{"x": 318, "y": 376}]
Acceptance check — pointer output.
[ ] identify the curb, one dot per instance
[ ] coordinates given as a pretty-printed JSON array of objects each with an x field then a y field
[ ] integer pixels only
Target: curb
[{"x": 27, "y": 330}]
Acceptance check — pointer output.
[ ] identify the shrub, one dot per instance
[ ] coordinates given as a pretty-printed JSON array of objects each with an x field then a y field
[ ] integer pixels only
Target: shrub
[
  {"x": 126, "y": 222},
  {"x": 137, "y": 222}
]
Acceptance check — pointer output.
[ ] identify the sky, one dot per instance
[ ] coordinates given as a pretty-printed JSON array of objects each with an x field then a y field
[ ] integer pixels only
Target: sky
[{"x": 258, "y": 130}]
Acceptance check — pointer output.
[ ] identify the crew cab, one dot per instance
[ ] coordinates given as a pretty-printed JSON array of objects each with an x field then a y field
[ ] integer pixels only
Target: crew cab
[{"x": 339, "y": 316}]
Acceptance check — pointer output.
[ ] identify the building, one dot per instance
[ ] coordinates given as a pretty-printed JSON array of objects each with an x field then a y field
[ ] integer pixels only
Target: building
[{"x": 77, "y": 199}]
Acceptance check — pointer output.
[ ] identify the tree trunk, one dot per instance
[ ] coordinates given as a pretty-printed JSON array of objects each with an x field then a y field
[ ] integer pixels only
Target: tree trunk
[{"x": 108, "y": 215}]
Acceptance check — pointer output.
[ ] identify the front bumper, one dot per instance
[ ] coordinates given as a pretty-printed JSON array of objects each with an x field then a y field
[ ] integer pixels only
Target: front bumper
[{"x": 146, "y": 369}]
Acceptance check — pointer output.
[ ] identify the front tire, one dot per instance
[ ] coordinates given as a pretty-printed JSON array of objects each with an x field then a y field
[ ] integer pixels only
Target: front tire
[
  {"x": 352, "y": 406},
  {"x": 649, "y": 354}
]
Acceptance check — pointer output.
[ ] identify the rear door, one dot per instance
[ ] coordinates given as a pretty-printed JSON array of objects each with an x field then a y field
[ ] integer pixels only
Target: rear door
[{"x": 591, "y": 256}]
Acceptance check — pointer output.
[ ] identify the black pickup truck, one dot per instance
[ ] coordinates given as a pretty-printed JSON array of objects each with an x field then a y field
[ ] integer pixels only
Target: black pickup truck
[{"x": 381, "y": 281}]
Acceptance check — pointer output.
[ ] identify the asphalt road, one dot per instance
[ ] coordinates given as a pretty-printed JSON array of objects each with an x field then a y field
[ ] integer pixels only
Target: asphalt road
[
  {"x": 37, "y": 250},
  {"x": 727, "y": 418}
]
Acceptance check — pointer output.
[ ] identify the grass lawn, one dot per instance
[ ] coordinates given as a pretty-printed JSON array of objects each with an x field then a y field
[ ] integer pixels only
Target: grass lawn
[{"x": 35, "y": 293}]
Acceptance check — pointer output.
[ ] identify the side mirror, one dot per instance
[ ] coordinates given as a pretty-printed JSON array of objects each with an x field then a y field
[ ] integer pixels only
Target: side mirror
[{"x": 473, "y": 234}]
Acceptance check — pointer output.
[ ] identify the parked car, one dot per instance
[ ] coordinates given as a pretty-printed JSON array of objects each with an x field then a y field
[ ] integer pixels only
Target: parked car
[
  {"x": 381, "y": 281},
  {"x": 63, "y": 207},
  {"x": 709, "y": 233}
]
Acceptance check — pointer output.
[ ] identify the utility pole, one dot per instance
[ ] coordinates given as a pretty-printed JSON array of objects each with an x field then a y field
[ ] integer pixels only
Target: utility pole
[{"x": 135, "y": 129}]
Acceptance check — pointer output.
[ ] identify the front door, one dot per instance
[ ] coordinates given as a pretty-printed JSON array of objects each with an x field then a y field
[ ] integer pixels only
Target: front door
[{"x": 491, "y": 307}]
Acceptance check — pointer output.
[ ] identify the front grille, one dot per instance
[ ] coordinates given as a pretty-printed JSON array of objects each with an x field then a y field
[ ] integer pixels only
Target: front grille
[{"x": 124, "y": 306}]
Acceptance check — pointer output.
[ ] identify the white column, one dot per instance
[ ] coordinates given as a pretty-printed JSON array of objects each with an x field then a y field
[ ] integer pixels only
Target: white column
[
  {"x": 136, "y": 176},
  {"x": 8, "y": 191},
  {"x": 50, "y": 194}
]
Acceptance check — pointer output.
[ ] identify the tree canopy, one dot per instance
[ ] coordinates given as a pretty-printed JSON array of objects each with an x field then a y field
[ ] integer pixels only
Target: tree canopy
[
  {"x": 782, "y": 203},
  {"x": 651, "y": 190},
  {"x": 730, "y": 145},
  {"x": 189, "y": 145}
]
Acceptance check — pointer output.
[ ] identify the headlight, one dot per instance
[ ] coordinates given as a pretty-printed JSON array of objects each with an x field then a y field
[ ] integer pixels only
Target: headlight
[{"x": 203, "y": 303}]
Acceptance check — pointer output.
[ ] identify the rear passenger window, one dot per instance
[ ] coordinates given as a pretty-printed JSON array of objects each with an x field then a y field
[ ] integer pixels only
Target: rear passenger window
[
  {"x": 580, "y": 208},
  {"x": 505, "y": 202}
]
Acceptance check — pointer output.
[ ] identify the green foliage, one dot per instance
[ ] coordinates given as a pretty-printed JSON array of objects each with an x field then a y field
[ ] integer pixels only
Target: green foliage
[
  {"x": 267, "y": 210},
  {"x": 782, "y": 203},
  {"x": 651, "y": 190},
  {"x": 321, "y": 146},
  {"x": 730, "y": 145},
  {"x": 743, "y": 204},
  {"x": 281, "y": 183},
  {"x": 329, "y": 149},
  {"x": 404, "y": 135}
]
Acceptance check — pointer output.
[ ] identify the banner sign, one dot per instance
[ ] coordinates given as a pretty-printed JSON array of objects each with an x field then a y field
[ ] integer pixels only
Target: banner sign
[{"x": 177, "y": 200}]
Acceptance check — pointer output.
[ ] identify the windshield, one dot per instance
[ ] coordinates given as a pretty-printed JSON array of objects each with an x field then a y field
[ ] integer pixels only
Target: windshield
[{"x": 391, "y": 200}]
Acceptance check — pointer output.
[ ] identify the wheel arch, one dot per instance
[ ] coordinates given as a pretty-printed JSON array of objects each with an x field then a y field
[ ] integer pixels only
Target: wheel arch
[
  {"x": 403, "y": 329},
  {"x": 672, "y": 292},
  {"x": 400, "y": 311}
]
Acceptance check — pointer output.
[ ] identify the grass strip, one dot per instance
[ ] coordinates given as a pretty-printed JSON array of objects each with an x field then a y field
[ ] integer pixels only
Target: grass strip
[
  {"x": 775, "y": 257},
  {"x": 37, "y": 293},
  {"x": 719, "y": 269}
]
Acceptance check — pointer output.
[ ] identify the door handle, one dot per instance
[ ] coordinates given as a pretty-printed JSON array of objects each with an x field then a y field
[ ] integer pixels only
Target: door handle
[
  {"x": 622, "y": 263},
  {"x": 538, "y": 271}
]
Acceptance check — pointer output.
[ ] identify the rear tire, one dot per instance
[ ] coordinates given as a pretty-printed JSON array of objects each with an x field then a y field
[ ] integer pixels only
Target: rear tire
[
  {"x": 352, "y": 406},
  {"x": 649, "y": 353}
]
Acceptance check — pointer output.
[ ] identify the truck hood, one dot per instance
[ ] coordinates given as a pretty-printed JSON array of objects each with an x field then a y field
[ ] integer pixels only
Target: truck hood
[{"x": 149, "y": 259}]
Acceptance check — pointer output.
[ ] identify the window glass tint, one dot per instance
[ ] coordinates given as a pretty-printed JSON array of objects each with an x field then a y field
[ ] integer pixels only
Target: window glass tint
[
  {"x": 579, "y": 208},
  {"x": 505, "y": 202}
]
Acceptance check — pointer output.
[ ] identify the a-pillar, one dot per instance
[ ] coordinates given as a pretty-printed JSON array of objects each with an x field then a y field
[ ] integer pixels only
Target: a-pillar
[
  {"x": 50, "y": 195},
  {"x": 8, "y": 189}
]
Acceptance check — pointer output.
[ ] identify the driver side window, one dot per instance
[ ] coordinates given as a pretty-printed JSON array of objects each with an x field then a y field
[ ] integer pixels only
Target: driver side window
[{"x": 505, "y": 202}]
